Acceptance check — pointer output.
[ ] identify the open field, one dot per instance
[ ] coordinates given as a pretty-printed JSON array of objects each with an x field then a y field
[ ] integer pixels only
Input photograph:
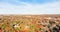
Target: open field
[{"x": 29, "y": 23}]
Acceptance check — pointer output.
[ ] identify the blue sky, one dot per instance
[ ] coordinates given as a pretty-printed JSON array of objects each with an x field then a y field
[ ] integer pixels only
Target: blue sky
[
  {"x": 38, "y": 1},
  {"x": 29, "y": 6},
  {"x": 28, "y": 1}
]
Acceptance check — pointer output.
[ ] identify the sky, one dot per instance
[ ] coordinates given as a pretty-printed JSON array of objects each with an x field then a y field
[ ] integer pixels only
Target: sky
[{"x": 29, "y": 6}]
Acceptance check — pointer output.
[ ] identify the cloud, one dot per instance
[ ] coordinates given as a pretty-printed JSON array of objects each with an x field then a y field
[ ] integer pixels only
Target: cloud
[{"x": 26, "y": 8}]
